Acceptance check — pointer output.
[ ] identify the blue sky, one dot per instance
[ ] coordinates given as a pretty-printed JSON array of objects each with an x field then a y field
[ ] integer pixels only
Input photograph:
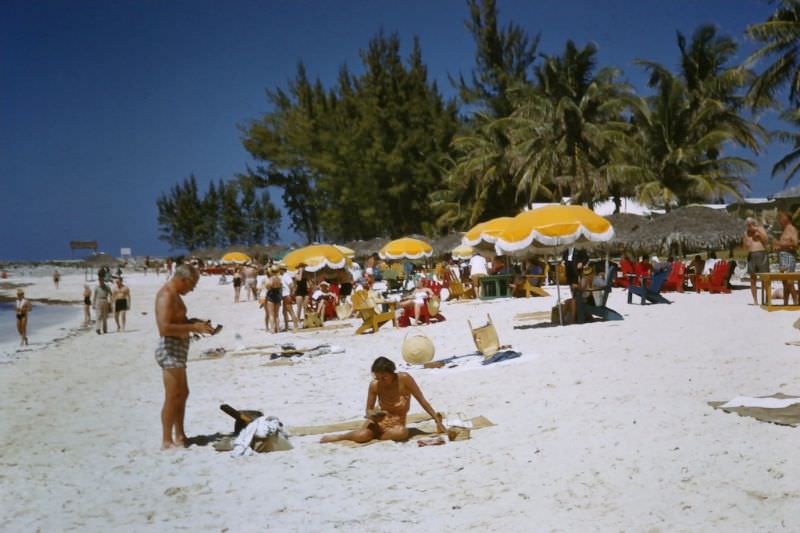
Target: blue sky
[{"x": 106, "y": 104}]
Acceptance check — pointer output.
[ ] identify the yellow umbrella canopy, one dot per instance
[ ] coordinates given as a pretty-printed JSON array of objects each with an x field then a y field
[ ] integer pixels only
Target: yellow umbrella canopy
[
  {"x": 236, "y": 257},
  {"x": 316, "y": 257},
  {"x": 553, "y": 225},
  {"x": 486, "y": 232},
  {"x": 406, "y": 248},
  {"x": 347, "y": 252},
  {"x": 463, "y": 251}
]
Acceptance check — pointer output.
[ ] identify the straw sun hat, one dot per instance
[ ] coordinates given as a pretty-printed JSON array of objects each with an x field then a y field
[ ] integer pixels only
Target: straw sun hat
[{"x": 418, "y": 349}]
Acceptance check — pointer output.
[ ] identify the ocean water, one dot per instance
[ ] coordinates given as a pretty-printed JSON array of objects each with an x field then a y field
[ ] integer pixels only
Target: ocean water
[{"x": 42, "y": 317}]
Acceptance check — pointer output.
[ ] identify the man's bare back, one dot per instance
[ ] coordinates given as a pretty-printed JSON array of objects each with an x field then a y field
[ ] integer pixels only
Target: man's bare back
[{"x": 788, "y": 240}]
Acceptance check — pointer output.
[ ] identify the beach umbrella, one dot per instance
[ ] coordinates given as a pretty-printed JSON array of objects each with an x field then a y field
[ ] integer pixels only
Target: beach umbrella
[
  {"x": 347, "y": 252},
  {"x": 316, "y": 257},
  {"x": 553, "y": 226},
  {"x": 236, "y": 257},
  {"x": 406, "y": 248},
  {"x": 486, "y": 232},
  {"x": 463, "y": 251}
]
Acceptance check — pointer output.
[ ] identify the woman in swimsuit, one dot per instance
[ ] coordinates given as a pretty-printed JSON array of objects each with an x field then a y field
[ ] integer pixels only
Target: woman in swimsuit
[
  {"x": 237, "y": 285},
  {"x": 87, "y": 305},
  {"x": 274, "y": 298},
  {"x": 300, "y": 291},
  {"x": 23, "y": 308},
  {"x": 393, "y": 390}
]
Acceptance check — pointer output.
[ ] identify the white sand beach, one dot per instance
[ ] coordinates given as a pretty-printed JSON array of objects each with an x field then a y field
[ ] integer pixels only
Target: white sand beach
[{"x": 602, "y": 426}]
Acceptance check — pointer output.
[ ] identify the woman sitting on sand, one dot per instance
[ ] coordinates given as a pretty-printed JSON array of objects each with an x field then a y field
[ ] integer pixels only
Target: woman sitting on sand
[{"x": 393, "y": 390}]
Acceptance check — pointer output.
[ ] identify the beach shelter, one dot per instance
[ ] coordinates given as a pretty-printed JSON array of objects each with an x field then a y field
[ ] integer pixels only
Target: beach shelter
[
  {"x": 486, "y": 232},
  {"x": 462, "y": 252},
  {"x": 406, "y": 248},
  {"x": 316, "y": 257},
  {"x": 236, "y": 257},
  {"x": 553, "y": 226}
]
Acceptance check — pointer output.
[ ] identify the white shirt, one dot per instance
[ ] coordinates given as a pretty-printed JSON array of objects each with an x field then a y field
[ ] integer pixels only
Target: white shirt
[
  {"x": 477, "y": 265},
  {"x": 709, "y": 266},
  {"x": 286, "y": 284}
]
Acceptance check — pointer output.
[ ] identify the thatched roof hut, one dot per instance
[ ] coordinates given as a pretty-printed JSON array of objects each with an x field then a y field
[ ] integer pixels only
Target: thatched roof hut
[
  {"x": 685, "y": 230},
  {"x": 99, "y": 260},
  {"x": 367, "y": 248},
  {"x": 444, "y": 244}
]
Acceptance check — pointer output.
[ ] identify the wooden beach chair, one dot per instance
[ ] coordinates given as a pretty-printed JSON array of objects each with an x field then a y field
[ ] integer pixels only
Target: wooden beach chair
[
  {"x": 592, "y": 308},
  {"x": 372, "y": 320},
  {"x": 717, "y": 281},
  {"x": 651, "y": 292}
]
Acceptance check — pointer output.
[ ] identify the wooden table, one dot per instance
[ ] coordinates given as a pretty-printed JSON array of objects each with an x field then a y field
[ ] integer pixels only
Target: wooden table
[
  {"x": 495, "y": 286},
  {"x": 766, "y": 289}
]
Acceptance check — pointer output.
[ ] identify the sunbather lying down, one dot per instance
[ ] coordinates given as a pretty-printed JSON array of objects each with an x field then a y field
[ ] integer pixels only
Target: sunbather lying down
[{"x": 393, "y": 390}]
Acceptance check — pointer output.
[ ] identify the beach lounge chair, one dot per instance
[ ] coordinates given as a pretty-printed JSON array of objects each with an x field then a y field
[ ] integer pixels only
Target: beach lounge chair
[
  {"x": 459, "y": 292},
  {"x": 428, "y": 313},
  {"x": 596, "y": 307},
  {"x": 372, "y": 320},
  {"x": 676, "y": 277},
  {"x": 717, "y": 281},
  {"x": 626, "y": 271},
  {"x": 651, "y": 292}
]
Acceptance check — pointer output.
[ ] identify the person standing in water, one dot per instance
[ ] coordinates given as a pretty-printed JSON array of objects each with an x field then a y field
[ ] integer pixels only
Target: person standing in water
[
  {"x": 56, "y": 278},
  {"x": 23, "y": 307}
]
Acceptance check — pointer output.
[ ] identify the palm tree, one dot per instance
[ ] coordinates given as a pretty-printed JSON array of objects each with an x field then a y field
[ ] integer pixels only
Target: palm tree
[
  {"x": 562, "y": 128},
  {"x": 780, "y": 37},
  {"x": 479, "y": 184},
  {"x": 707, "y": 75},
  {"x": 790, "y": 163},
  {"x": 669, "y": 145}
]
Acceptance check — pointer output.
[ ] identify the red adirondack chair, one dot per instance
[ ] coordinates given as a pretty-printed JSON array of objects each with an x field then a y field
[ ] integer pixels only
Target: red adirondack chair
[
  {"x": 626, "y": 269},
  {"x": 675, "y": 280},
  {"x": 715, "y": 282},
  {"x": 424, "y": 314}
]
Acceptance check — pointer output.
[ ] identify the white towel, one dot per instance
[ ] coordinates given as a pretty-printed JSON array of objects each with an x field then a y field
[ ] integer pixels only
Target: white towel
[
  {"x": 261, "y": 427},
  {"x": 766, "y": 403}
]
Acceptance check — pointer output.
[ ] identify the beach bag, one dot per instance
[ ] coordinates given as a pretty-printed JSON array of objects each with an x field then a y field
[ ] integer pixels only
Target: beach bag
[
  {"x": 344, "y": 310},
  {"x": 566, "y": 312},
  {"x": 312, "y": 320},
  {"x": 433, "y": 306}
]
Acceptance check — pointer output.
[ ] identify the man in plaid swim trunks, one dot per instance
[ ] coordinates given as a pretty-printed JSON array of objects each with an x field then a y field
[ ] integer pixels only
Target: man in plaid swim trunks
[
  {"x": 787, "y": 246},
  {"x": 755, "y": 241},
  {"x": 173, "y": 348}
]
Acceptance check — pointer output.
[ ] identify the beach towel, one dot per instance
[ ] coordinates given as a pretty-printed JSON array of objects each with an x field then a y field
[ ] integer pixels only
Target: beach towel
[
  {"x": 322, "y": 349},
  {"x": 426, "y": 428},
  {"x": 778, "y": 408},
  {"x": 269, "y": 430},
  {"x": 501, "y": 356},
  {"x": 468, "y": 360}
]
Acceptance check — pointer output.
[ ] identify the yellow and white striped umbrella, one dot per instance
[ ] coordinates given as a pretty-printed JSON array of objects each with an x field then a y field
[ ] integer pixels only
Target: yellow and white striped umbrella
[
  {"x": 316, "y": 257},
  {"x": 552, "y": 225},
  {"x": 406, "y": 248}
]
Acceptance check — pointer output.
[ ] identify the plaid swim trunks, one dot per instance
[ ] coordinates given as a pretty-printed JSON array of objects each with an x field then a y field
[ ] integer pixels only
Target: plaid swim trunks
[
  {"x": 787, "y": 261},
  {"x": 172, "y": 352}
]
